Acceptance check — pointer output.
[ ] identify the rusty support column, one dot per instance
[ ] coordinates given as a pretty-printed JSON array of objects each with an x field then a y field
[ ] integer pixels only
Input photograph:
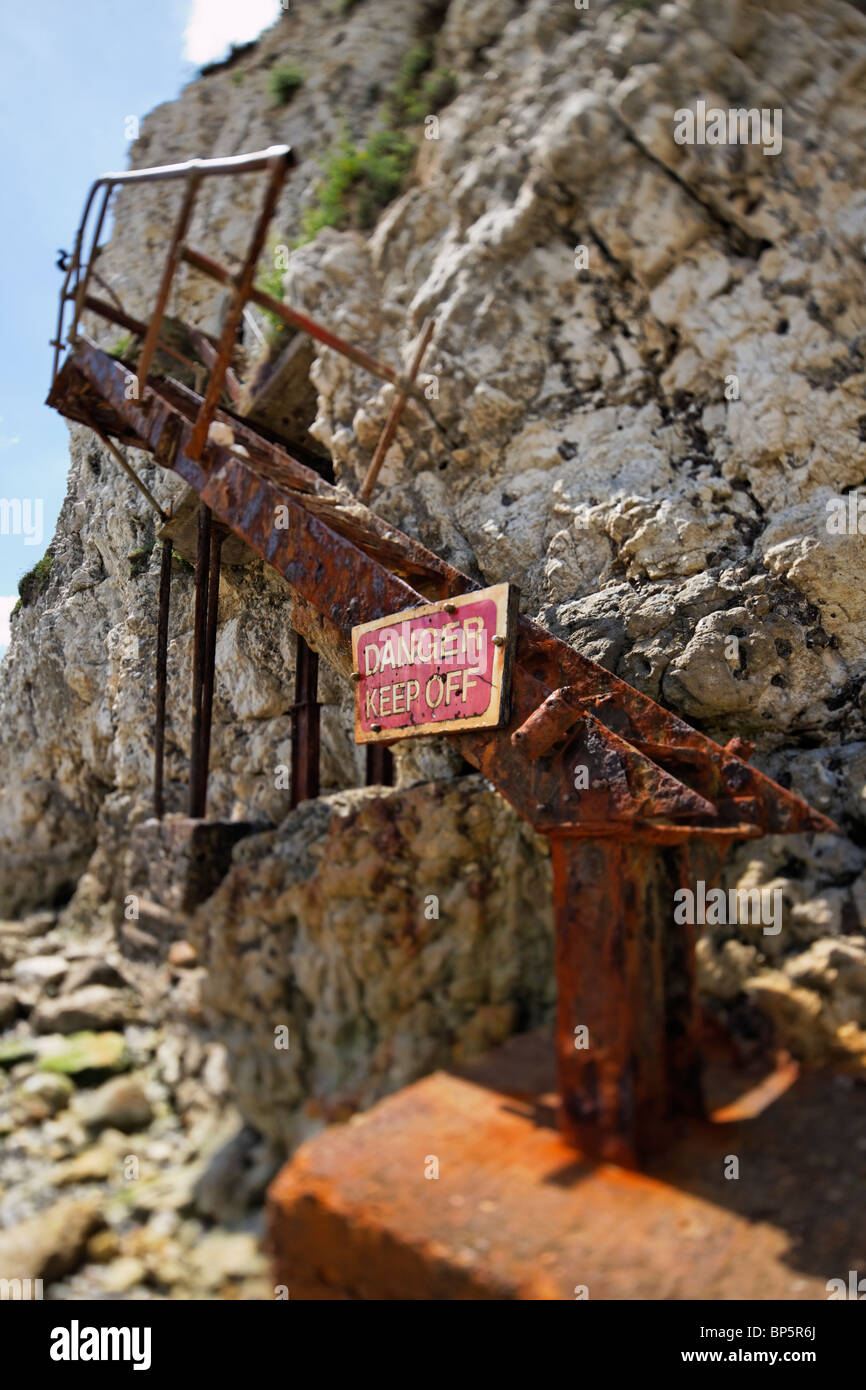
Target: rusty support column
[
  {"x": 698, "y": 857},
  {"x": 625, "y": 974},
  {"x": 242, "y": 283},
  {"x": 161, "y": 678},
  {"x": 305, "y": 725},
  {"x": 202, "y": 566},
  {"x": 218, "y": 535},
  {"x": 380, "y": 766}
]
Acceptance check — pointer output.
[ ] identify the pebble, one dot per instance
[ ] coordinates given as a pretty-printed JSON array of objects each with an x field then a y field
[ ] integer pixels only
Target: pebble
[
  {"x": 85, "y": 1054},
  {"x": 120, "y": 1104},
  {"x": 54, "y": 1091},
  {"x": 122, "y": 1274},
  {"x": 182, "y": 955},
  {"x": 39, "y": 970},
  {"x": 93, "y": 1007}
]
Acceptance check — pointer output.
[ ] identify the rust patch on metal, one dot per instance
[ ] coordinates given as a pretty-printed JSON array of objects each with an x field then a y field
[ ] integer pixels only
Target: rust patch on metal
[{"x": 547, "y": 725}]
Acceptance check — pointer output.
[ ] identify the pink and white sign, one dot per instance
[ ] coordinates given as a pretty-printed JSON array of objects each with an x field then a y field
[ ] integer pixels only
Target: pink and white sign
[{"x": 434, "y": 669}]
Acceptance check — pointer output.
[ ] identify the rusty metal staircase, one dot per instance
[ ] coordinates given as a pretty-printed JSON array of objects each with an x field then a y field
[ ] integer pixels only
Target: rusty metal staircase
[{"x": 660, "y": 803}]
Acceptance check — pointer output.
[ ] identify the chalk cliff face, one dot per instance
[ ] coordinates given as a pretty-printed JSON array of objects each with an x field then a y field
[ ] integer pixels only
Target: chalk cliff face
[{"x": 646, "y": 385}]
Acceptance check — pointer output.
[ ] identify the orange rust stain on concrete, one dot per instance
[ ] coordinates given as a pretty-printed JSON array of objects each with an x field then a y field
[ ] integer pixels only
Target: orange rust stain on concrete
[{"x": 515, "y": 1214}]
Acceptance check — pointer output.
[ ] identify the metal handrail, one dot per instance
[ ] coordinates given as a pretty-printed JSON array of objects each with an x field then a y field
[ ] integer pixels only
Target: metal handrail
[
  {"x": 217, "y": 356},
  {"x": 251, "y": 163}
]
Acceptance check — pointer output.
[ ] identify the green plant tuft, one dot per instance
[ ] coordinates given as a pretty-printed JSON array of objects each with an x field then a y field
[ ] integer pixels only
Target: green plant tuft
[
  {"x": 183, "y": 566},
  {"x": 122, "y": 347},
  {"x": 34, "y": 582},
  {"x": 139, "y": 559},
  {"x": 284, "y": 82},
  {"x": 409, "y": 100},
  {"x": 359, "y": 182},
  {"x": 270, "y": 281}
]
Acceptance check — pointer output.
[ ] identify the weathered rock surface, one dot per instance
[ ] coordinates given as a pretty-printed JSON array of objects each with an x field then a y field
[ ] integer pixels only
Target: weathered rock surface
[
  {"x": 93, "y": 1007},
  {"x": 381, "y": 935},
  {"x": 111, "y": 1184},
  {"x": 120, "y": 1104},
  {"x": 50, "y": 1244}
]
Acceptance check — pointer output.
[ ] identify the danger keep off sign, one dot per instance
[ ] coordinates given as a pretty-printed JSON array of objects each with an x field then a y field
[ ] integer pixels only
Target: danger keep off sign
[{"x": 441, "y": 667}]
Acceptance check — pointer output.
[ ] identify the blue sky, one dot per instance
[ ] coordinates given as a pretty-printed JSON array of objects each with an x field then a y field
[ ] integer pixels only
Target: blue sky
[{"x": 73, "y": 72}]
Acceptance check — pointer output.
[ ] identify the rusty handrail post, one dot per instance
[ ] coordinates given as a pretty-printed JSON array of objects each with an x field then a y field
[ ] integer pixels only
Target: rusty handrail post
[
  {"x": 305, "y": 725},
  {"x": 168, "y": 272},
  {"x": 81, "y": 282},
  {"x": 243, "y": 283},
  {"x": 218, "y": 535},
  {"x": 202, "y": 568},
  {"x": 394, "y": 415},
  {"x": 161, "y": 678}
]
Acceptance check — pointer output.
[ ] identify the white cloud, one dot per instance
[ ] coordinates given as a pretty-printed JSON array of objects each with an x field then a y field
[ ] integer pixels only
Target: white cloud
[
  {"x": 7, "y": 441},
  {"x": 214, "y": 24},
  {"x": 7, "y": 603}
]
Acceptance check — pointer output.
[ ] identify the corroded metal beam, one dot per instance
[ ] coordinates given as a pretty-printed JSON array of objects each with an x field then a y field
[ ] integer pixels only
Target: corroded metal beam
[{"x": 644, "y": 767}]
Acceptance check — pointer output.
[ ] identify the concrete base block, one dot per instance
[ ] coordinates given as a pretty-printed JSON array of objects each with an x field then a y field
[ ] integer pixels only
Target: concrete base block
[
  {"x": 179, "y": 862},
  {"x": 459, "y": 1187}
]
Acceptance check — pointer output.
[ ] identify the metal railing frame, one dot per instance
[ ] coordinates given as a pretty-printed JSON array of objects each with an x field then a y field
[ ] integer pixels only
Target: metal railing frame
[
  {"x": 215, "y": 360},
  {"x": 276, "y": 161}
]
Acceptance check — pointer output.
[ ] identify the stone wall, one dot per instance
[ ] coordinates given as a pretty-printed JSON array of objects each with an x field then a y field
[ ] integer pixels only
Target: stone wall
[{"x": 372, "y": 938}]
